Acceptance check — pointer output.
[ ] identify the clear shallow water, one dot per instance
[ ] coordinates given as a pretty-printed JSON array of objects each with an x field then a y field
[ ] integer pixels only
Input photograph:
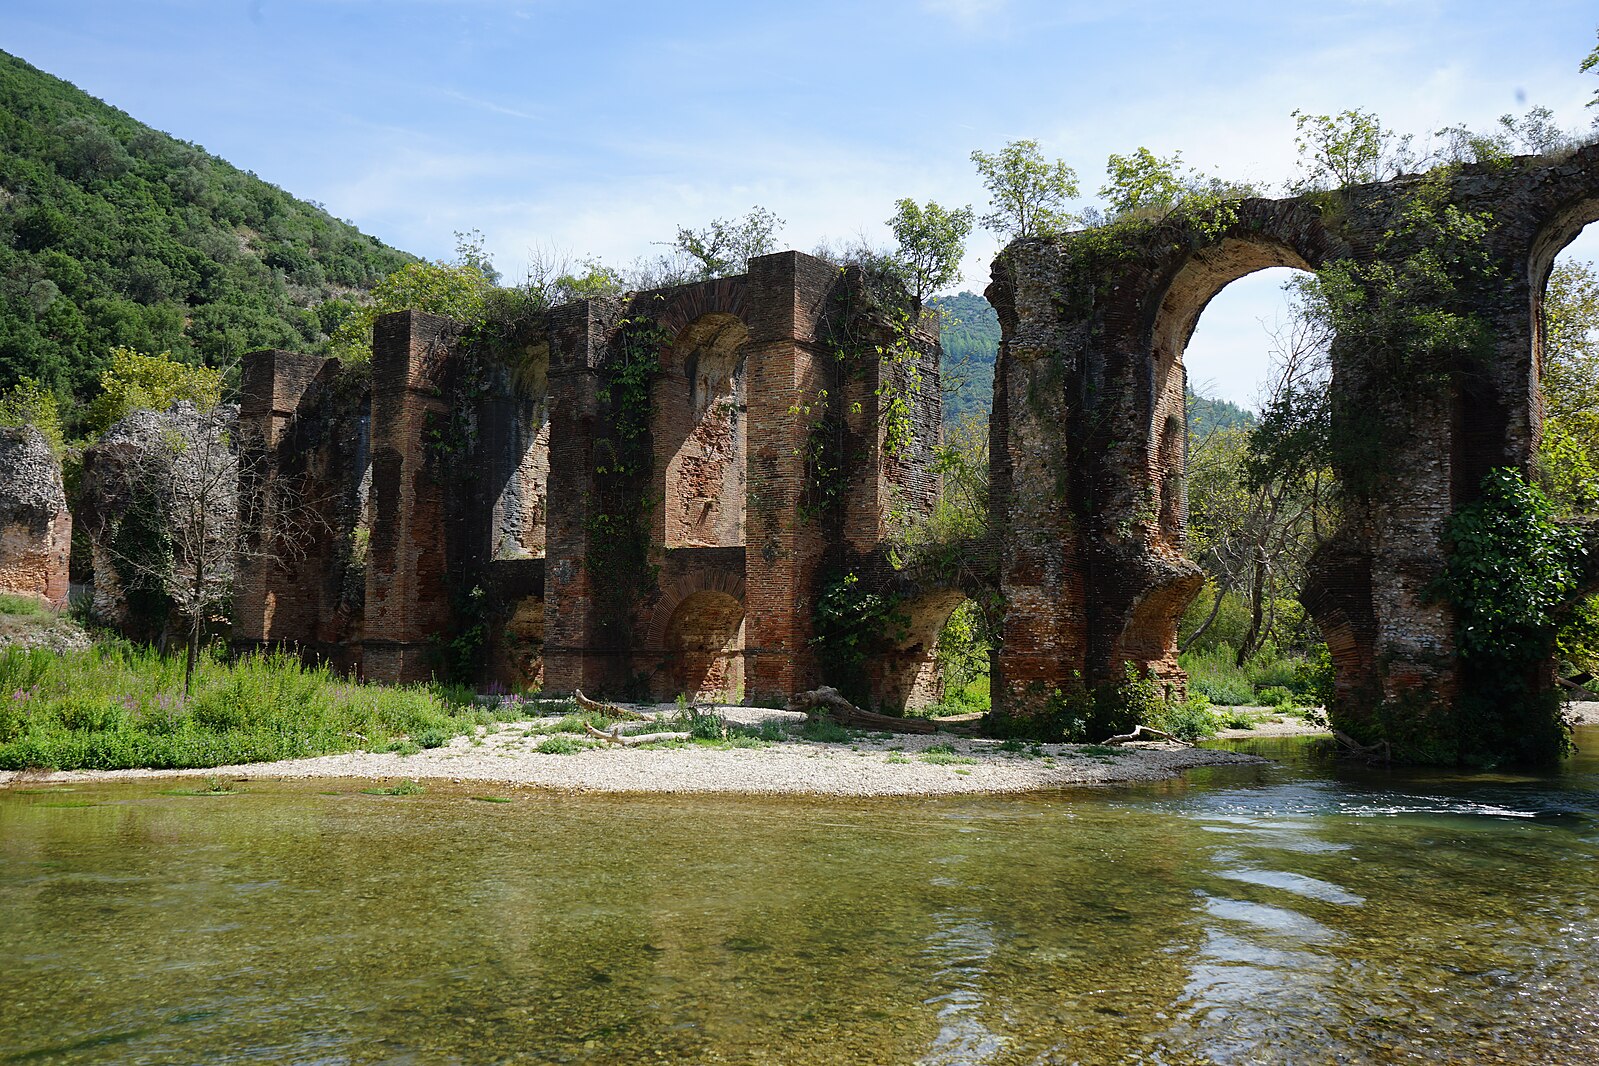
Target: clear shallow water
[{"x": 1299, "y": 913}]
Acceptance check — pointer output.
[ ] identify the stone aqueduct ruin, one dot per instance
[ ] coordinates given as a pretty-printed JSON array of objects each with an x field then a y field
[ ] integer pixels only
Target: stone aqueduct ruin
[{"x": 1088, "y": 443}]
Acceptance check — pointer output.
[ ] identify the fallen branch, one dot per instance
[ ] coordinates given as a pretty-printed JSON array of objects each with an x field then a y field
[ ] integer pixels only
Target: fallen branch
[
  {"x": 614, "y": 737},
  {"x": 827, "y": 700},
  {"x": 1379, "y": 752},
  {"x": 1144, "y": 732},
  {"x": 610, "y": 710}
]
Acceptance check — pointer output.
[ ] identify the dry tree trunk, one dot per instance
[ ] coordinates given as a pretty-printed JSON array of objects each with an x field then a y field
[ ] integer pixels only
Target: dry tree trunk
[
  {"x": 610, "y": 710},
  {"x": 614, "y": 737}
]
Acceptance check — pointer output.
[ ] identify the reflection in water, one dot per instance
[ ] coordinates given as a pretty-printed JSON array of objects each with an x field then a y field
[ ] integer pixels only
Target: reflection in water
[
  {"x": 1303, "y": 913},
  {"x": 962, "y": 943}
]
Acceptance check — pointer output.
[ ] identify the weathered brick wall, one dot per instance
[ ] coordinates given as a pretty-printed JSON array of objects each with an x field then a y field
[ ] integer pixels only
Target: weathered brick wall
[
  {"x": 303, "y": 426},
  {"x": 409, "y": 599},
  {"x": 735, "y": 545},
  {"x": 35, "y": 528}
]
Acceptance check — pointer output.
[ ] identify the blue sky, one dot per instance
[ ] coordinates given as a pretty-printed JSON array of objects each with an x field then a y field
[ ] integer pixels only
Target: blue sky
[{"x": 595, "y": 129}]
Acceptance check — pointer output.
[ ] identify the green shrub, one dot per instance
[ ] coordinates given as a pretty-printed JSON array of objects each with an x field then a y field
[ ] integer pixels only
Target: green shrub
[
  {"x": 20, "y": 606},
  {"x": 1275, "y": 696},
  {"x": 1191, "y": 720},
  {"x": 1236, "y": 719}
]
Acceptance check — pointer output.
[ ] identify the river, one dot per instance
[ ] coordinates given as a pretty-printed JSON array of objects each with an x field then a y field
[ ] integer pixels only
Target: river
[{"x": 1302, "y": 912}]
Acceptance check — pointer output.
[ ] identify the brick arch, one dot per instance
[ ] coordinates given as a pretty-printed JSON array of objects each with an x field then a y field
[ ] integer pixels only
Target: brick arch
[
  {"x": 672, "y": 596},
  {"x": 726, "y": 296},
  {"x": 907, "y": 677}
]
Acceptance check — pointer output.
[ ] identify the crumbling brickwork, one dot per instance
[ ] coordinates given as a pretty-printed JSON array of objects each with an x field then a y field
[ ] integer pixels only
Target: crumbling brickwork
[
  {"x": 517, "y": 506},
  {"x": 1087, "y": 449},
  {"x": 35, "y": 528}
]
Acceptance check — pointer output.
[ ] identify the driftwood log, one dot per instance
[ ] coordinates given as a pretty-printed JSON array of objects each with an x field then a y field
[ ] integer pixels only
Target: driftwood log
[
  {"x": 827, "y": 701},
  {"x": 1379, "y": 752},
  {"x": 1142, "y": 732},
  {"x": 615, "y": 737},
  {"x": 610, "y": 710}
]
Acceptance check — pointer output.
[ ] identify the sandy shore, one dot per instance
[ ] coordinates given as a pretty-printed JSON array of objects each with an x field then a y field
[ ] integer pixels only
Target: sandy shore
[{"x": 875, "y": 764}]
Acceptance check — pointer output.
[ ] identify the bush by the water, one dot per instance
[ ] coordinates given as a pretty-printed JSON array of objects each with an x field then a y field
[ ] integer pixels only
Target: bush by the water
[
  {"x": 1270, "y": 679},
  {"x": 117, "y": 707}
]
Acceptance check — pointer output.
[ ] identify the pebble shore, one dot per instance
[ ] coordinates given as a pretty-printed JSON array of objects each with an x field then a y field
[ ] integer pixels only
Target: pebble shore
[{"x": 875, "y": 764}]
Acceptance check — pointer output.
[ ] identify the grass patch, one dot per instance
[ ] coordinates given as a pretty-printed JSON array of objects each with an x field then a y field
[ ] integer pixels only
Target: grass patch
[
  {"x": 562, "y": 744},
  {"x": 21, "y": 606},
  {"x": 897, "y": 759},
  {"x": 945, "y": 755},
  {"x": 404, "y": 788},
  {"x": 826, "y": 731},
  {"x": 117, "y": 706}
]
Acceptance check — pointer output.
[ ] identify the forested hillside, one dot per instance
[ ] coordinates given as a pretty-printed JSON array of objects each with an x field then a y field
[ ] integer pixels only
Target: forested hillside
[
  {"x": 1206, "y": 414},
  {"x": 971, "y": 342},
  {"x": 113, "y": 233}
]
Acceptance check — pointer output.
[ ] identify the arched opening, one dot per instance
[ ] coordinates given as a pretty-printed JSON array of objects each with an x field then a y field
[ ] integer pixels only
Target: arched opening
[
  {"x": 705, "y": 647},
  {"x": 1564, "y": 284},
  {"x": 940, "y": 664},
  {"x": 700, "y": 434},
  {"x": 1240, "y": 354}
]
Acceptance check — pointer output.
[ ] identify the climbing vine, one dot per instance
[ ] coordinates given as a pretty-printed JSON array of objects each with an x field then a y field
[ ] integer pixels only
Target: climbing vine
[
  {"x": 1512, "y": 571},
  {"x": 618, "y": 559},
  {"x": 852, "y": 623}
]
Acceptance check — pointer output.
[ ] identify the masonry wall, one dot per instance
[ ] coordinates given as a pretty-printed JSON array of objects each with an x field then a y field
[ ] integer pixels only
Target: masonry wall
[{"x": 35, "y": 527}]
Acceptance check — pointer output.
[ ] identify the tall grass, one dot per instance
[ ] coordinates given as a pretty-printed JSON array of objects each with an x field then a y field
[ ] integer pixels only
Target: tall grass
[
  {"x": 117, "y": 706},
  {"x": 1265, "y": 680}
]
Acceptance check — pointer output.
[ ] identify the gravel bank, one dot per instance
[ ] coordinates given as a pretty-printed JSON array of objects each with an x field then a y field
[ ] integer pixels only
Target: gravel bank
[{"x": 874, "y": 765}]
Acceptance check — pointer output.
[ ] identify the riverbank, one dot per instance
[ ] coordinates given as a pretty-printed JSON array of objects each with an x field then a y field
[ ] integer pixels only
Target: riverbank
[{"x": 866, "y": 764}]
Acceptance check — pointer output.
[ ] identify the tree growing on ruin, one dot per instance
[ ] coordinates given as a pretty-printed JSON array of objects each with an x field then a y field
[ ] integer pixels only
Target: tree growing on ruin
[
  {"x": 726, "y": 246},
  {"x": 1027, "y": 194},
  {"x": 931, "y": 243},
  {"x": 1142, "y": 182},
  {"x": 178, "y": 536},
  {"x": 1349, "y": 148}
]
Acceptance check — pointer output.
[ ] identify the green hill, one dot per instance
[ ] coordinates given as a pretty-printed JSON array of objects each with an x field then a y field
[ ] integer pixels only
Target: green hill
[
  {"x": 1206, "y": 414},
  {"x": 113, "y": 233},
  {"x": 971, "y": 343}
]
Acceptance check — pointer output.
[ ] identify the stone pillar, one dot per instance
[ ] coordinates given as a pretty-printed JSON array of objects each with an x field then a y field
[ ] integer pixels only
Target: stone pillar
[
  {"x": 274, "y": 600},
  {"x": 35, "y": 527},
  {"x": 407, "y": 590},
  {"x": 1042, "y": 573},
  {"x": 786, "y": 369},
  {"x": 577, "y": 345}
]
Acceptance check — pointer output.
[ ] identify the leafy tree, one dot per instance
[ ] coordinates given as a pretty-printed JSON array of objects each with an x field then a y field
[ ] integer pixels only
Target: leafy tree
[
  {"x": 932, "y": 241},
  {"x": 1027, "y": 194},
  {"x": 1569, "y": 385},
  {"x": 135, "y": 381},
  {"x": 1349, "y": 148},
  {"x": 1533, "y": 133},
  {"x": 726, "y": 246},
  {"x": 1142, "y": 182},
  {"x": 27, "y": 403},
  {"x": 456, "y": 290},
  {"x": 591, "y": 279}
]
